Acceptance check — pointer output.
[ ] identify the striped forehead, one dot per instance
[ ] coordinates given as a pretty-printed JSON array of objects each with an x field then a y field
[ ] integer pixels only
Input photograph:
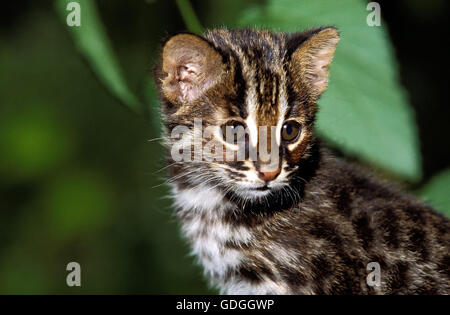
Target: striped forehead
[
  {"x": 267, "y": 87},
  {"x": 265, "y": 101},
  {"x": 260, "y": 59},
  {"x": 263, "y": 71}
]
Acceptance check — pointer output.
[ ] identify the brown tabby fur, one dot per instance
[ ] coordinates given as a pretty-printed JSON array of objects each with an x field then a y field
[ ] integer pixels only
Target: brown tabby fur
[{"x": 317, "y": 234}]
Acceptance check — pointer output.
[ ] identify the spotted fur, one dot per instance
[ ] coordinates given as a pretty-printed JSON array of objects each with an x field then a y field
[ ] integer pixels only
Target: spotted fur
[{"x": 315, "y": 227}]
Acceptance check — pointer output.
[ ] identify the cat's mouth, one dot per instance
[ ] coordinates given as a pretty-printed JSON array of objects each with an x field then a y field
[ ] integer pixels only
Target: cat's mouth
[
  {"x": 258, "y": 191},
  {"x": 262, "y": 188}
]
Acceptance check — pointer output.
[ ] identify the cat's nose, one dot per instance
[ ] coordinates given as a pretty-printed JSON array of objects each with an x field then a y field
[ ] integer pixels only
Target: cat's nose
[{"x": 269, "y": 176}]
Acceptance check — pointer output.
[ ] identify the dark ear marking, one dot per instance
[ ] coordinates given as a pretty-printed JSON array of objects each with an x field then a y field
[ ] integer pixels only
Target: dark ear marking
[
  {"x": 309, "y": 55},
  {"x": 294, "y": 40},
  {"x": 190, "y": 66}
]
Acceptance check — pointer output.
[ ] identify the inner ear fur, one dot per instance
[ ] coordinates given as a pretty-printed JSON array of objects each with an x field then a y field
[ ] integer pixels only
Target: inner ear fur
[
  {"x": 310, "y": 60},
  {"x": 190, "y": 66}
]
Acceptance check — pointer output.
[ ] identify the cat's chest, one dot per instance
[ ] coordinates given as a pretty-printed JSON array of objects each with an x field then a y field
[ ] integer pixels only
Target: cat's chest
[{"x": 213, "y": 240}]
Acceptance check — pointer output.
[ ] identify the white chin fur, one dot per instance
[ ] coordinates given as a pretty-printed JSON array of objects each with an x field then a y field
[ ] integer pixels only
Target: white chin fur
[{"x": 247, "y": 192}]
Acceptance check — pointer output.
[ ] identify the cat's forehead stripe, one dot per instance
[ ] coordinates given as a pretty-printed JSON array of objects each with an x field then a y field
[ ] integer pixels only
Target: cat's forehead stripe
[{"x": 259, "y": 71}]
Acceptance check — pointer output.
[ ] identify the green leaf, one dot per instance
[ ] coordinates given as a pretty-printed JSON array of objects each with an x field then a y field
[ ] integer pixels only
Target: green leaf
[
  {"x": 437, "y": 192},
  {"x": 92, "y": 42},
  {"x": 365, "y": 110}
]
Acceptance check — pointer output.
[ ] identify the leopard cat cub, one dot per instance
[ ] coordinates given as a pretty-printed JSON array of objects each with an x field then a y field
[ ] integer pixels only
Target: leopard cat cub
[{"x": 313, "y": 223}]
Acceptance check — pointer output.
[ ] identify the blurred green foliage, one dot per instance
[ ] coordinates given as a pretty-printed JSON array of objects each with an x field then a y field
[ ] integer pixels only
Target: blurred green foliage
[
  {"x": 79, "y": 180},
  {"x": 78, "y": 176},
  {"x": 32, "y": 142},
  {"x": 76, "y": 203},
  {"x": 92, "y": 42}
]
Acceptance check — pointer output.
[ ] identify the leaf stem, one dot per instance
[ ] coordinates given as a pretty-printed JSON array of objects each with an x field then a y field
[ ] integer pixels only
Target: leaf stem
[{"x": 189, "y": 16}]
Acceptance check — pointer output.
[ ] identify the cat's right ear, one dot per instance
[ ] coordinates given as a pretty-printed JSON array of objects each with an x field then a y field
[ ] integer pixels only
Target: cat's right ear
[{"x": 189, "y": 67}]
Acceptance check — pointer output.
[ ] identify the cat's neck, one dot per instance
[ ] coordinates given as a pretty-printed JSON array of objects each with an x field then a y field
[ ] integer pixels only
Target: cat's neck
[
  {"x": 214, "y": 240},
  {"x": 197, "y": 200}
]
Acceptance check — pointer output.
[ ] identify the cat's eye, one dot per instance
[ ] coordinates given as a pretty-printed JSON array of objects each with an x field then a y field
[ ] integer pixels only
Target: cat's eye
[
  {"x": 236, "y": 131},
  {"x": 290, "y": 131}
]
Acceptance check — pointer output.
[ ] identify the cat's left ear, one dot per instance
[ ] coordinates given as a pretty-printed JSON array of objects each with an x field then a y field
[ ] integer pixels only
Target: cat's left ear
[
  {"x": 312, "y": 55},
  {"x": 190, "y": 66}
]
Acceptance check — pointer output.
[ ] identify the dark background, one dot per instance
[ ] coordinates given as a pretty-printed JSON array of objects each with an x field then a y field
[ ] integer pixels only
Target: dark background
[
  {"x": 419, "y": 32},
  {"x": 78, "y": 179}
]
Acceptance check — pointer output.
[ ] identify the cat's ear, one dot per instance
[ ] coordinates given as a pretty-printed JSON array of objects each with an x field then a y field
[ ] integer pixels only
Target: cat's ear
[
  {"x": 190, "y": 66},
  {"x": 311, "y": 55}
]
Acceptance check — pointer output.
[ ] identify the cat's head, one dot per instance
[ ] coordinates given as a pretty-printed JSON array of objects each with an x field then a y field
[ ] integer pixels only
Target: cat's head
[{"x": 239, "y": 107}]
